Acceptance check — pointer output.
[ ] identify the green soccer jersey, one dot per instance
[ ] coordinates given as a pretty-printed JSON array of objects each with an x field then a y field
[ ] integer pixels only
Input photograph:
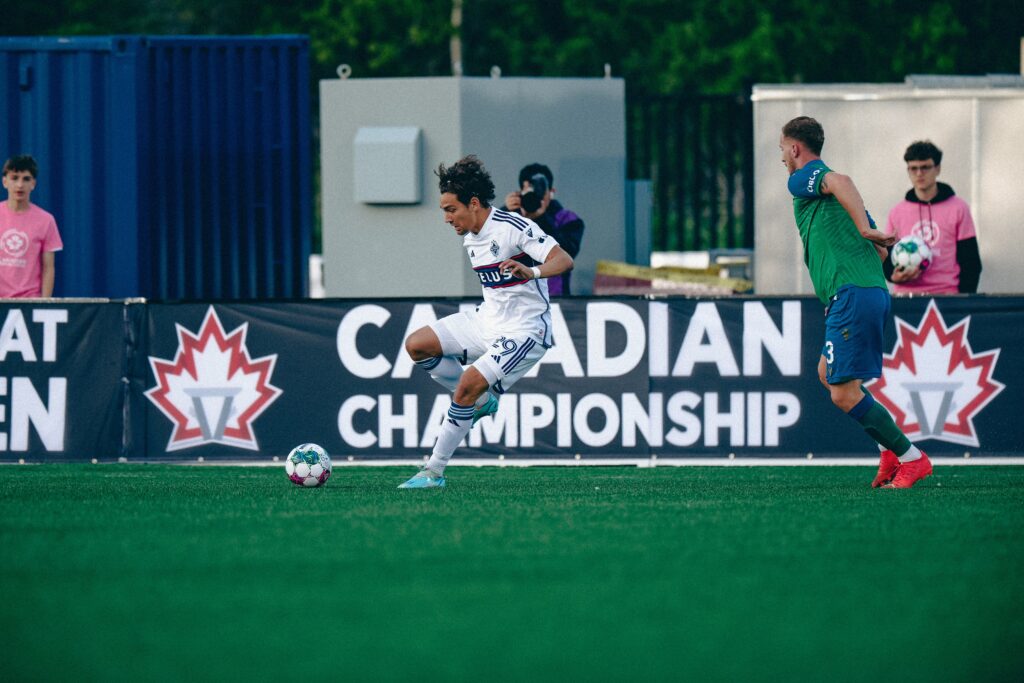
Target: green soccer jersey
[{"x": 835, "y": 252}]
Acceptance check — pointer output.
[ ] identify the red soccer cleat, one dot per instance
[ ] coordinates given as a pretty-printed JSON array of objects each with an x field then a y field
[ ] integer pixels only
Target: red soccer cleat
[
  {"x": 887, "y": 467},
  {"x": 909, "y": 473}
]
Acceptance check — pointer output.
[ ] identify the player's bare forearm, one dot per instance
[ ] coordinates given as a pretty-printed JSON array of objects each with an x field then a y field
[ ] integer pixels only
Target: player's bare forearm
[
  {"x": 557, "y": 262},
  {"x": 883, "y": 253},
  {"x": 846, "y": 193}
]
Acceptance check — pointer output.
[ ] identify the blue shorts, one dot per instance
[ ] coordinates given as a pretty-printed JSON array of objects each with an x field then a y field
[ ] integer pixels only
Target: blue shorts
[{"x": 854, "y": 324}]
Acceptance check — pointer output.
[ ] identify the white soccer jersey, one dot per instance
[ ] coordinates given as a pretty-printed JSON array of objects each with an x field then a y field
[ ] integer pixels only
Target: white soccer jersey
[{"x": 511, "y": 305}]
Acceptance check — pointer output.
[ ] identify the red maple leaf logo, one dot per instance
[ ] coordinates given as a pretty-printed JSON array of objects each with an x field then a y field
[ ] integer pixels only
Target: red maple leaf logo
[
  {"x": 933, "y": 383},
  {"x": 213, "y": 391}
]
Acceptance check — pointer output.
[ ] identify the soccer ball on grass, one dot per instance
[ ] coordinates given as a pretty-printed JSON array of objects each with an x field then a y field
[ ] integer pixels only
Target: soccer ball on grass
[
  {"x": 308, "y": 465},
  {"x": 911, "y": 253}
]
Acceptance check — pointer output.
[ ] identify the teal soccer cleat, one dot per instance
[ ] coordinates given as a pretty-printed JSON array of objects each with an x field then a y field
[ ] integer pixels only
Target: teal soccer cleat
[
  {"x": 489, "y": 408},
  {"x": 425, "y": 479}
]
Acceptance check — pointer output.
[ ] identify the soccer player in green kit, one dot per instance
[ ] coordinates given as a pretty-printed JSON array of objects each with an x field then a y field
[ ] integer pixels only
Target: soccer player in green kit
[{"x": 843, "y": 251}]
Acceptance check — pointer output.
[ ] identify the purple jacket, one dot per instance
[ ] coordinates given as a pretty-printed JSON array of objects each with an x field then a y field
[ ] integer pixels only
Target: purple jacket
[{"x": 567, "y": 229}]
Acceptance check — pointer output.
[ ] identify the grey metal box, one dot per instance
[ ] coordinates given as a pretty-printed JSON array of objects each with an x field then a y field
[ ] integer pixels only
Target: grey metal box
[{"x": 387, "y": 165}]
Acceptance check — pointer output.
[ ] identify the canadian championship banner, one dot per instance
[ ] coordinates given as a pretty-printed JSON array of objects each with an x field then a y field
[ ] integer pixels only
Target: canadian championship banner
[{"x": 627, "y": 378}]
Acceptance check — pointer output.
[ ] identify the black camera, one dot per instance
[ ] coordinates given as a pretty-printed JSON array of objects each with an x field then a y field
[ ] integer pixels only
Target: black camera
[{"x": 532, "y": 198}]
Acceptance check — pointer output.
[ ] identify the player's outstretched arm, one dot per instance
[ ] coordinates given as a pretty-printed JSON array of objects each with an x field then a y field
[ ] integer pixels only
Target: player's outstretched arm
[
  {"x": 846, "y": 193},
  {"x": 557, "y": 262}
]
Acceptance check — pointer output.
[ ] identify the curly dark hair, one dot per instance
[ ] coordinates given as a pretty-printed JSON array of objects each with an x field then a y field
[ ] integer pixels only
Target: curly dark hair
[
  {"x": 466, "y": 178},
  {"x": 923, "y": 150},
  {"x": 806, "y": 130}
]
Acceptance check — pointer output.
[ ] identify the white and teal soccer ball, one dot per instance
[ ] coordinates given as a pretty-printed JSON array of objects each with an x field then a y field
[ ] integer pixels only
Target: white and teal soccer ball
[
  {"x": 911, "y": 253},
  {"x": 308, "y": 465}
]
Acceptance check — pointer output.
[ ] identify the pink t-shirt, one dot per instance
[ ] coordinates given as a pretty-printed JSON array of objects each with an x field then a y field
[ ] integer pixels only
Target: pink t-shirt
[
  {"x": 24, "y": 236},
  {"x": 941, "y": 225}
]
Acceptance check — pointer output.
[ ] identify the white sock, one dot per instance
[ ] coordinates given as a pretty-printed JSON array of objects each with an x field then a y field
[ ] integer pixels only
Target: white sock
[
  {"x": 911, "y": 455},
  {"x": 447, "y": 371},
  {"x": 453, "y": 431}
]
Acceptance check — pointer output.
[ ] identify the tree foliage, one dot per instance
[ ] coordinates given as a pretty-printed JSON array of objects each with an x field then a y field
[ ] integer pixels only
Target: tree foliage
[{"x": 659, "y": 46}]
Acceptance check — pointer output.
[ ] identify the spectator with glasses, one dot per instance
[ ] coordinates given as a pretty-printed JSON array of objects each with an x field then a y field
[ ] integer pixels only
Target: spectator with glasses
[{"x": 933, "y": 212}]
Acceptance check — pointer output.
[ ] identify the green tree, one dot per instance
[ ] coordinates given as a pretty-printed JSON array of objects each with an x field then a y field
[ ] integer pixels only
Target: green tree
[
  {"x": 659, "y": 46},
  {"x": 396, "y": 38}
]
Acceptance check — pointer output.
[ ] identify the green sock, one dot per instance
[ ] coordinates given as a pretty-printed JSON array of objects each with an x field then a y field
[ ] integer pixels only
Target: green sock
[{"x": 879, "y": 425}]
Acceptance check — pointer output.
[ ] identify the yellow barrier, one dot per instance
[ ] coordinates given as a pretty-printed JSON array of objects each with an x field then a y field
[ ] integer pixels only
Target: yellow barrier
[{"x": 614, "y": 277}]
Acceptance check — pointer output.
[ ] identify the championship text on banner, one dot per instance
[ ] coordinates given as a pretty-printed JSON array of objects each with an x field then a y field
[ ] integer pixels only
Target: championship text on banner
[{"x": 626, "y": 378}]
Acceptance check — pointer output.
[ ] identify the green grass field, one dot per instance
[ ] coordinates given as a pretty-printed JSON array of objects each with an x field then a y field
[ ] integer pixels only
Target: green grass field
[{"x": 145, "y": 572}]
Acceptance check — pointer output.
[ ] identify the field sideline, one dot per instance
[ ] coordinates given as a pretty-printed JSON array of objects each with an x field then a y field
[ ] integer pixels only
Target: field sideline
[{"x": 162, "y": 572}]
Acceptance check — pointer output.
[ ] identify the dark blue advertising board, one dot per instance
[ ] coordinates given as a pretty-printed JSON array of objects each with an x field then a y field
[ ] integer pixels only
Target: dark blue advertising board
[
  {"x": 61, "y": 366},
  {"x": 626, "y": 378}
]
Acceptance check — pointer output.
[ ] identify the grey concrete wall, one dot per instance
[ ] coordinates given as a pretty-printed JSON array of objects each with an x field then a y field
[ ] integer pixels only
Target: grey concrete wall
[
  {"x": 387, "y": 250},
  {"x": 867, "y": 129},
  {"x": 575, "y": 126}
]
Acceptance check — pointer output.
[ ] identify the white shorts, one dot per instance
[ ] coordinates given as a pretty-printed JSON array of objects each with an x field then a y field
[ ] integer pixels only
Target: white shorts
[{"x": 502, "y": 360}]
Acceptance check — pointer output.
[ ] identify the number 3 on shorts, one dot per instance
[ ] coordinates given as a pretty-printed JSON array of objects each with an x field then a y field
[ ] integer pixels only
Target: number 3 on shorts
[{"x": 829, "y": 356}]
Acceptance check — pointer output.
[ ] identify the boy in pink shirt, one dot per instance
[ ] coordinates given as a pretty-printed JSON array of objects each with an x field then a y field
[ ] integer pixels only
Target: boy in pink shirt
[
  {"x": 28, "y": 235},
  {"x": 933, "y": 212}
]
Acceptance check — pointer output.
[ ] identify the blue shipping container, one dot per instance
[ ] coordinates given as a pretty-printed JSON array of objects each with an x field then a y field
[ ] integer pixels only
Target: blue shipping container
[{"x": 177, "y": 167}]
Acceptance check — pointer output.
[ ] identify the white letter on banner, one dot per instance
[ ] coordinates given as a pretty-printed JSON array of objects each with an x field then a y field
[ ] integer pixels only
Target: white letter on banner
[
  {"x": 422, "y": 315},
  {"x": 563, "y": 352},
  {"x": 598, "y": 317},
  {"x": 679, "y": 415},
  {"x": 781, "y": 409},
  {"x": 50, "y": 318},
  {"x": 754, "y": 418},
  {"x": 563, "y": 426},
  {"x": 504, "y": 422},
  {"x": 349, "y": 408},
  {"x": 657, "y": 339},
  {"x": 14, "y": 337},
  {"x": 388, "y": 421},
  {"x": 733, "y": 420},
  {"x": 536, "y": 411},
  {"x": 606, "y": 405},
  {"x": 348, "y": 329},
  {"x": 648, "y": 420},
  {"x": 759, "y": 330},
  {"x": 3, "y": 413},
  {"x": 705, "y": 320},
  {"x": 27, "y": 407}
]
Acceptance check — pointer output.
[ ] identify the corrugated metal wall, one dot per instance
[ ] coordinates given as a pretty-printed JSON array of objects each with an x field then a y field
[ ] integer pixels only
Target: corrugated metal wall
[{"x": 177, "y": 167}]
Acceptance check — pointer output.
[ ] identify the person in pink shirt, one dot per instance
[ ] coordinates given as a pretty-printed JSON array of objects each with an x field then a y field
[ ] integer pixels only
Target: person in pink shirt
[
  {"x": 28, "y": 235},
  {"x": 933, "y": 212}
]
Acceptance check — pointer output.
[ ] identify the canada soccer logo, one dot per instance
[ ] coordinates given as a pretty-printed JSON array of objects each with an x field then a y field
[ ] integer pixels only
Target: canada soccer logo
[
  {"x": 14, "y": 243},
  {"x": 933, "y": 383},
  {"x": 213, "y": 391}
]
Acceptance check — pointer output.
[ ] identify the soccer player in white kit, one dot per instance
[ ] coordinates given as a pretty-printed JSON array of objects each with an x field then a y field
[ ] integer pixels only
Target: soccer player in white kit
[{"x": 508, "y": 333}]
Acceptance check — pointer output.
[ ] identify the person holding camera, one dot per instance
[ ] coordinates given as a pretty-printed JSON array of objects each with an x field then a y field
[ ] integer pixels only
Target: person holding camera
[{"x": 535, "y": 199}]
